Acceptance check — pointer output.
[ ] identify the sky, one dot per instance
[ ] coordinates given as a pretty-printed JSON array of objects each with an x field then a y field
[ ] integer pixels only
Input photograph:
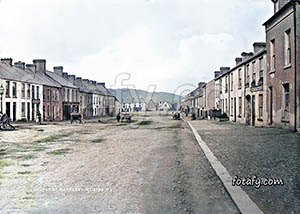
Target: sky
[{"x": 170, "y": 45}]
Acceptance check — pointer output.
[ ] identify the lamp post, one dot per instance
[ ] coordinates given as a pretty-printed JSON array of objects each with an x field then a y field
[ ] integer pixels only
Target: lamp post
[{"x": 1, "y": 93}]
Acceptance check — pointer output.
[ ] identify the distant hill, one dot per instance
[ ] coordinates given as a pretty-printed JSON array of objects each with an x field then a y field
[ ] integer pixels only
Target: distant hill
[{"x": 133, "y": 95}]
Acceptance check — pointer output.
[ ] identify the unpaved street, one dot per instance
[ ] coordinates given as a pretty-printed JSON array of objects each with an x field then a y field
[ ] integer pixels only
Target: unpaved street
[{"x": 152, "y": 165}]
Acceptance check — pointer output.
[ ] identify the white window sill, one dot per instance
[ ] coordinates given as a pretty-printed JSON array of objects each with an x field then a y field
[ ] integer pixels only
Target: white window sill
[{"x": 287, "y": 66}]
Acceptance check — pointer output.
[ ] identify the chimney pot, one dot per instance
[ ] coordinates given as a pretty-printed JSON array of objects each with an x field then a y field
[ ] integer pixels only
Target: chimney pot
[
  {"x": 8, "y": 61},
  {"x": 20, "y": 65},
  {"x": 31, "y": 67},
  {"x": 217, "y": 73},
  {"x": 238, "y": 60}
]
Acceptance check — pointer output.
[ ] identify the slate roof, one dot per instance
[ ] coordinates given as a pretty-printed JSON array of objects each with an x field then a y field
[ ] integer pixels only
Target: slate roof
[
  {"x": 16, "y": 74},
  {"x": 59, "y": 79}
]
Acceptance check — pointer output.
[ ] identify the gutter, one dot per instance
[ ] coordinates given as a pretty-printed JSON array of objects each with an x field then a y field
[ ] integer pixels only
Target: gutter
[{"x": 295, "y": 58}]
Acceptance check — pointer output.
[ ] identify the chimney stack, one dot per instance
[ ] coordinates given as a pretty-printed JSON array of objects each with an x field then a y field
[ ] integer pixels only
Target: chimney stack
[
  {"x": 31, "y": 67},
  {"x": 20, "y": 65},
  {"x": 71, "y": 78},
  {"x": 224, "y": 70},
  {"x": 278, "y": 4},
  {"x": 8, "y": 61},
  {"x": 58, "y": 70},
  {"x": 101, "y": 84},
  {"x": 65, "y": 75},
  {"x": 78, "y": 80},
  {"x": 40, "y": 65},
  {"x": 238, "y": 60},
  {"x": 85, "y": 81},
  {"x": 201, "y": 84},
  {"x": 257, "y": 46},
  {"x": 94, "y": 82},
  {"x": 217, "y": 73}
]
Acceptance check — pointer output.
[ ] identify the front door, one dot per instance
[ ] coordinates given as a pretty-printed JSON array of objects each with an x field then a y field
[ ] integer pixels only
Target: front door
[
  {"x": 8, "y": 109},
  {"x": 248, "y": 109},
  {"x": 271, "y": 106},
  {"x": 14, "y": 111},
  {"x": 28, "y": 111},
  {"x": 253, "y": 110},
  {"x": 234, "y": 109}
]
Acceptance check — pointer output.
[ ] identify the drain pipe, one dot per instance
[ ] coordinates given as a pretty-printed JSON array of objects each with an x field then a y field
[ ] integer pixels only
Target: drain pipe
[{"x": 295, "y": 60}]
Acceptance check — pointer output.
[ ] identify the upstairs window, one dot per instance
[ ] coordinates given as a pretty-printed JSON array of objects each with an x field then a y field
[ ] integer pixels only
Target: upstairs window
[
  {"x": 37, "y": 92},
  {"x": 240, "y": 78},
  {"x": 23, "y": 90},
  {"x": 28, "y": 91},
  {"x": 247, "y": 76},
  {"x": 14, "y": 89},
  {"x": 231, "y": 86},
  {"x": 272, "y": 55},
  {"x": 33, "y": 92},
  {"x": 287, "y": 48}
]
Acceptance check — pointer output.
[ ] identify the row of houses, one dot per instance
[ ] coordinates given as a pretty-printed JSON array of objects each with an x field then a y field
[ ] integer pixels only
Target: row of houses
[
  {"x": 27, "y": 90},
  {"x": 143, "y": 106},
  {"x": 263, "y": 88}
]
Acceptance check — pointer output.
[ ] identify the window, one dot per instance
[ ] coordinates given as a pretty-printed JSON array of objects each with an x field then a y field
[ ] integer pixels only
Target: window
[
  {"x": 272, "y": 55},
  {"x": 253, "y": 83},
  {"x": 286, "y": 94},
  {"x": 287, "y": 48},
  {"x": 23, "y": 109},
  {"x": 231, "y": 82},
  {"x": 48, "y": 94},
  {"x": 226, "y": 83},
  {"x": 37, "y": 92},
  {"x": 28, "y": 91},
  {"x": 14, "y": 89},
  {"x": 261, "y": 71},
  {"x": 247, "y": 76},
  {"x": 32, "y": 92},
  {"x": 240, "y": 106},
  {"x": 261, "y": 102},
  {"x": 7, "y": 92},
  {"x": 240, "y": 78},
  {"x": 226, "y": 105},
  {"x": 23, "y": 90},
  {"x": 220, "y": 89},
  {"x": 68, "y": 95},
  {"x": 231, "y": 105}
]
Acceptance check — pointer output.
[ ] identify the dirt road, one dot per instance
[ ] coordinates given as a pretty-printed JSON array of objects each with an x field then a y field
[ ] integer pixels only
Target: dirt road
[{"x": 152, "y": 165}]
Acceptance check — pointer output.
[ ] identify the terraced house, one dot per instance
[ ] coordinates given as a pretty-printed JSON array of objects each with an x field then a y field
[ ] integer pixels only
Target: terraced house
[
  {"x": 22, "y": 91},
  {"x": 263, "y": 89},
  {"x": 283, "y": 75}
]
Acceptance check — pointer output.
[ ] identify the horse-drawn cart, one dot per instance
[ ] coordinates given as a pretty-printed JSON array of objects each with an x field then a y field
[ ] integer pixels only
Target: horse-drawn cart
[
  {"x": 76, "y": 117},
  {"x": 5, "y": 123}
]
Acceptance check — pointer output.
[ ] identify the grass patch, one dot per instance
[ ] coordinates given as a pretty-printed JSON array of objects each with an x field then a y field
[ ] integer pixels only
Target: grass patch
[
  {"x": 52, "y": 138},
  {"x": 25, "y": 173},
  {"x": 59, "y": 152},
  {"x": 25, "y": 157},
  {"x": 98, "y": 140},
  {"x": 145, "y": 122},
  {"x": 174, "y": 126},
  {"x": 4, "y": 163}
]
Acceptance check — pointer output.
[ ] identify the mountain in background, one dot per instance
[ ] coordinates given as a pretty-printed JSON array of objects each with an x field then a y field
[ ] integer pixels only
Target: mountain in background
[{"x": 133, "y": 95}]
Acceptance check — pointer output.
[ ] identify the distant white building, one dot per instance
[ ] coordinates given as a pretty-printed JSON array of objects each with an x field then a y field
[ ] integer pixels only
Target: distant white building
[
  {"x": 133, "y": 107},
  {"x": 164, "y": 106}
]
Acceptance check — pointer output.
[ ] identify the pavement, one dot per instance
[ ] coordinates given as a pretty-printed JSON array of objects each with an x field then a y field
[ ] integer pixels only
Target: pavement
[{"x": 258, "y": 153}]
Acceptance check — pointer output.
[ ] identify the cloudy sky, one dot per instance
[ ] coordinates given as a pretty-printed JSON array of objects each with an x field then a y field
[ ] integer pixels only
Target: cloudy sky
[{"x": 167, "y": 43}]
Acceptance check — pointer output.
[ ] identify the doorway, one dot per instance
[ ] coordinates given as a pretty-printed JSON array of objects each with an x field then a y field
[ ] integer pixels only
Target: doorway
[
  {"x": 234, "y": 110},
  {"x": 8, "y": 109},
  {"x": 271, "y": 105},
  {"x": 248, "y": 109},
  {"x": 14, "y": 111},
  {"x": 253, "y": 110}
]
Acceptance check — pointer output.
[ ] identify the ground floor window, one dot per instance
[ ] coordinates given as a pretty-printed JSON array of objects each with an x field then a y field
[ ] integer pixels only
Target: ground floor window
[
  {"x": 286, "y": 97},
  {"x": 23, "y": 110},
  {"x": 240, "y": 106},
  {"x": 261, "y": 102}
]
